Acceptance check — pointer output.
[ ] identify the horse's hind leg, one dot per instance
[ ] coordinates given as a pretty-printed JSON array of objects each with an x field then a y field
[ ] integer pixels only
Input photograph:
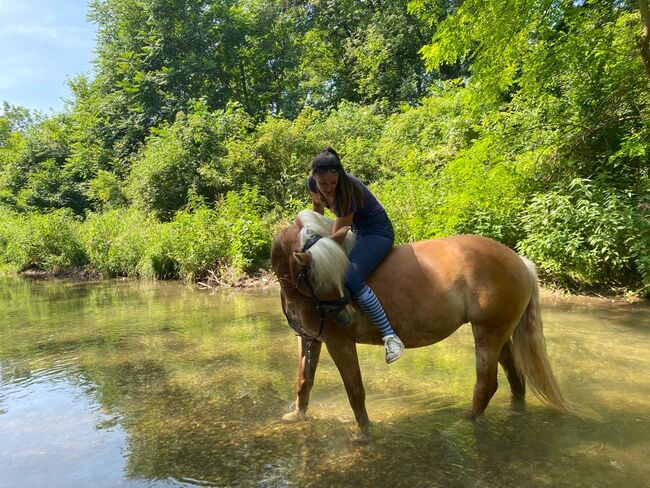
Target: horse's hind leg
[
  {"x": 309, "y": 354},
  {"x": 487, "y": 350},
  {"x": 517, "y": 384}
]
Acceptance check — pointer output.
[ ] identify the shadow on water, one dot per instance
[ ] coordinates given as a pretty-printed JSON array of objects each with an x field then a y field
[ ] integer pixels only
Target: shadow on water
[{"x": 191, "y": 386}]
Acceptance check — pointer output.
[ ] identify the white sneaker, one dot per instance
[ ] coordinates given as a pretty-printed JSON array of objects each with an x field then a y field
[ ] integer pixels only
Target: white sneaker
[{"x": 394, "y": 348}]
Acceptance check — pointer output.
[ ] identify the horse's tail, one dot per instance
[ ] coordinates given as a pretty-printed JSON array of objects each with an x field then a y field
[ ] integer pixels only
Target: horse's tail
[{"x": 529, "y": 350}]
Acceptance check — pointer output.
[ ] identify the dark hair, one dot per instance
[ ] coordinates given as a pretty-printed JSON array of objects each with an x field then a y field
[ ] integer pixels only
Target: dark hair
[{"x": 349, "y": 196}]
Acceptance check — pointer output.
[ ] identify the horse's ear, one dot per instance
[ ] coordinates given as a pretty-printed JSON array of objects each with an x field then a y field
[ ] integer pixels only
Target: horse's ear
[
  {"x": 299, "y": 222},
  {"x": 303, "y": 258}
]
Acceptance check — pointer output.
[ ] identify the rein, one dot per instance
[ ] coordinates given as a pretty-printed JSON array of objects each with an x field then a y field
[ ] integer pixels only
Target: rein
[{"x": 331, "y": 307}]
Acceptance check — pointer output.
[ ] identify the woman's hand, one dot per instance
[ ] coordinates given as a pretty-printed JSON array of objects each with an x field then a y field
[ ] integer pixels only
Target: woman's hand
[
  {"x": 339, "y": 235},
  {"x": 317, "y": 203}
]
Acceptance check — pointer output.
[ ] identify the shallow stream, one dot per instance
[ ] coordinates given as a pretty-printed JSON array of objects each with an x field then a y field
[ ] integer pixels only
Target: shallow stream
[{"x": 130, "y": 384}]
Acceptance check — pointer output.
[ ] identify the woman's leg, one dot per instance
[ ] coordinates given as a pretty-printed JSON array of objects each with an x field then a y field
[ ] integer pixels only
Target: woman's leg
[{"x": 368, "y": 252}]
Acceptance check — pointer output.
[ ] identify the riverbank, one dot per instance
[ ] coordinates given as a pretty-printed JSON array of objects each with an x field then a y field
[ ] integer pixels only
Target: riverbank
[{"x": 265, "y": 279}]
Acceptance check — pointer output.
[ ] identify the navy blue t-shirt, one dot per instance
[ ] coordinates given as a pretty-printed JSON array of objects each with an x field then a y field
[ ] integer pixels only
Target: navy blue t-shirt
[{"x": 370, "y": 204}]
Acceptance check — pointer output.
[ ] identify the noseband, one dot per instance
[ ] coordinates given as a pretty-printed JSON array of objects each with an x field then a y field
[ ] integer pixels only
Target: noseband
[{"x": 329, "y": 307}]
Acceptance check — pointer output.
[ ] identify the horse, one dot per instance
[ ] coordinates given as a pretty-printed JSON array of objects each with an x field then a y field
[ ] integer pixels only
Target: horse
[{"x": 428, "y": 290}]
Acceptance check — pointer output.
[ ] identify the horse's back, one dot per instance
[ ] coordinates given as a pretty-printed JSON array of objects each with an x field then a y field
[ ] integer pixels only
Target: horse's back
[{"x": 430, "y": 288}]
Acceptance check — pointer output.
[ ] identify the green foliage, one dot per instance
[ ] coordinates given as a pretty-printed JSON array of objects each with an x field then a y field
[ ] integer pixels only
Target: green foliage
[
  {"x": 196, "y": 241},
  {"x": 247, "y": 234},
  {"x": 194, "y": 138},
  {"x": 586, "y": 233},
  {"x": 274, "y": 158},
  {"x": 354, "y": 131},
  {"x": 411, "y": 202},
  {"x": 474, "y": 193},
  {"x": 480, "y": 193},
  {"x": 48, "y": 187},
  {"x": 233, "y": 234},
  {"x": 34, "y": 173},
  {"x": 116, "y": 241},
  {"x": 364, "y": 52},
  {"x": 424, "y": 138},
  {"x": 48, "y": 242},
  {"x": 107, "y": 189},
  {"x": 183, "y": 155}
]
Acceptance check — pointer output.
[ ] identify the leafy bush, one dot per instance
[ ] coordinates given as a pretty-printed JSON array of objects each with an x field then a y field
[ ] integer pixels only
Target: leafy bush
[
  {"x": 585, "y": 234},
  {"x": 183, "y": 155},
  {"x": 232, "y": 235},
  {"x": 411, "y": 203},
  {"x": 247, "y": 234},
  {"x": 354, "y": 131},
  {"x": 48, "y": 242},
  {"x": 195, "y": 239},
  {"x": 275, "y": 157},
  {"x": 117, "y": 241},
  {"x": 108, "y": 190},
  {"x": 424, "y": 138},
  {"x": 475, "y": 193}
]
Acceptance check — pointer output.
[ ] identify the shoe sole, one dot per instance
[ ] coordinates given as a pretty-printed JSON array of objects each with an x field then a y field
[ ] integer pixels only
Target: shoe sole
[{"x": 394, "y": 359}]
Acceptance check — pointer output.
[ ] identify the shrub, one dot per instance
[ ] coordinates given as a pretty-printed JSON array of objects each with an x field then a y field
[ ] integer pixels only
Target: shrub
[
  {"x": 353, "y": 131},
  {"x": 48, "y": 242},
  {"x": 275, "y": 158},
  {"x": 247, "y": 233},
  {"x": 411, "y": 202},
  {"x": 480, "y": 193},
  {"x": 183, "y": 155},
  {"x": 117, "y": 241},
  {"x": 422, "y": 139},
  {"x": 475, "y": 193},
  {"x": 195, "y": 239},
  {"x": 585, "y": 234}
]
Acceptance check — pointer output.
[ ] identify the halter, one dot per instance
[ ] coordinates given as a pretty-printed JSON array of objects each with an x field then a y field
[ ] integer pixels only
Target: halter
[{"x": 330, "y": 307}]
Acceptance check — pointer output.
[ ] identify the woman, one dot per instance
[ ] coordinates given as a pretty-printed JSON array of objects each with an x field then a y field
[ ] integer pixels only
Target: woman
[{"x": 357, "y": 208}]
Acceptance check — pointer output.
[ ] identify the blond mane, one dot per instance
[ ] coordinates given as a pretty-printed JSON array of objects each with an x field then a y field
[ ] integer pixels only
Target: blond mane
[{"x": 329, "y": 260}]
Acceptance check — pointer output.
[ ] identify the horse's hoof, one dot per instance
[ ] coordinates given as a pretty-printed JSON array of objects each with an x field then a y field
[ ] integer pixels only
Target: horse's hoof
[
  {"x": 360, "y": 438},
  {"x": 472, "y": 416},
  {"x": 293, "y": 417}
]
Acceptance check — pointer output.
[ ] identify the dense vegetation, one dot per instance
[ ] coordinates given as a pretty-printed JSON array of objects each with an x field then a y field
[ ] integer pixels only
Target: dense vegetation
[{"x": 526, "y": 121}]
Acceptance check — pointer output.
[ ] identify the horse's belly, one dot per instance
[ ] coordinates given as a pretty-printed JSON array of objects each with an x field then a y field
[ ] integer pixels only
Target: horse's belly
[
  {"x": 421, "y": 311},
  {"x": 430, "y": 288}
]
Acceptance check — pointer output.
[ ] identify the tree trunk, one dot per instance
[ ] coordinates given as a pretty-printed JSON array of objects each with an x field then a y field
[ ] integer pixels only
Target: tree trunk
[{"x": 644, "y": 40}]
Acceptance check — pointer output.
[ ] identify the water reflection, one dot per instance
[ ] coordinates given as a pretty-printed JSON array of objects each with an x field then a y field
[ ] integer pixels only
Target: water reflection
[{"x": 129, "y": 384}]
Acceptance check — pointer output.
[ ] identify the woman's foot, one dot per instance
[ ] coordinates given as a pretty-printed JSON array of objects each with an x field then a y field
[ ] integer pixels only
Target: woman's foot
[{"x": 394, "y": 348}]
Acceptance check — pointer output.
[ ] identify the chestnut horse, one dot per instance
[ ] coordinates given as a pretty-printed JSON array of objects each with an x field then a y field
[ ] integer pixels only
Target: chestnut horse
[{"x": 428, "y": 290}]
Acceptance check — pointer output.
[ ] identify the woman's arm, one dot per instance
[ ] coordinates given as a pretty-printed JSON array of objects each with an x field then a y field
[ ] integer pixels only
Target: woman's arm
[
  {"x": 341, "y": 224},
  {"x": 341, "y": 228},
  {"x": 317, "y": 203}
]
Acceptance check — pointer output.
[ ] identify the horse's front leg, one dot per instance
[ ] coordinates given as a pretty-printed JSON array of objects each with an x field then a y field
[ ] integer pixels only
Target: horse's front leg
[
  {"x": 344, "y": 354},
  {"x": 308, "y": 356}
]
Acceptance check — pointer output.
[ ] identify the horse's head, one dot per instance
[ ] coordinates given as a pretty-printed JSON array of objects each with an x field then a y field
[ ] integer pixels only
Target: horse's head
[{"x": 314, "y": 265}]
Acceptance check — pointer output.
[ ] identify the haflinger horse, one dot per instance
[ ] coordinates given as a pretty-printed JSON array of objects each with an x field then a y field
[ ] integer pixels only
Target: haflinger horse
[{"x": 428, "y": 290}]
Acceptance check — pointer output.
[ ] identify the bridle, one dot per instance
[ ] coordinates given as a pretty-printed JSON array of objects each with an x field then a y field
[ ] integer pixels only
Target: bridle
[{"x": 324, "y": 307}]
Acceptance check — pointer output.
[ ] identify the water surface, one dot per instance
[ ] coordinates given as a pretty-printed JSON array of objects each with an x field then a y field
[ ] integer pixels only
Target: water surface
[{"x": 158, "y": 384}]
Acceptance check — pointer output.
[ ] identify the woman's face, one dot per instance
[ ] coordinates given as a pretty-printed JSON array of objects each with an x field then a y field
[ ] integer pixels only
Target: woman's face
[{"x": 327, "y": 182}]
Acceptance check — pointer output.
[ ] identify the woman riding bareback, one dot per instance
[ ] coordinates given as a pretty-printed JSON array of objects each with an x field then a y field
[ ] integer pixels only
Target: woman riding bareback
[{"x": 356, "y": 208}]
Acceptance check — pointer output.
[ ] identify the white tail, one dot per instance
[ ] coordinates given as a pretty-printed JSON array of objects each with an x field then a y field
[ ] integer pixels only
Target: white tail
[{"x": 529, "y": 350}]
